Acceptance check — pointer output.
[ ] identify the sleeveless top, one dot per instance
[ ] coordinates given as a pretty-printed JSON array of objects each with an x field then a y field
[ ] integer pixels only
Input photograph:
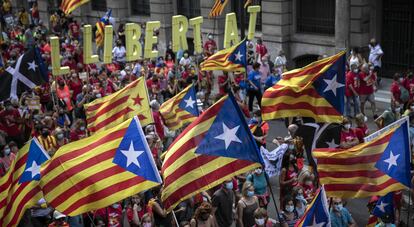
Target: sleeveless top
[
  {"x": 354, "y": 60},
  {"x": 248, "y": 214}
]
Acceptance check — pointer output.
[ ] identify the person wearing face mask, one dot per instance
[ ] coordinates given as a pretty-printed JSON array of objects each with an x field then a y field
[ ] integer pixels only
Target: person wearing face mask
[
  {"x": 361, "y": 131},
  {"x": 47, "y": 140},
  {"x": 185, "y": 60},
  {"x": 112, "y": 213},
  {"x": 210, "y": 46},
  {"x": 340, "y": 216},
  {"x": 306, "y": 182},
  {"x": 262, "y": 219},
  {"x": 259, "y": 128},
  {"x": 366, "y": 88},
  {"x": 148, "y": 220},
  {"x": 61, "y": 139},
  {"x": 135, "y": 210},
  {"x": 223, "y": 202},
  {"x": 351, "y": 91},
  {"x": 300, "y": 201},
  {"x": 119, "y": 53},
  {"x": 289, "y": 216},
  {"x": 203, "y": 216},
  {"x": 6, "y": 158},
  {"x": 400, "y": 94},
  {"x": 258, "y": 179},
  {"x": 247, "y": 205},
  {"x": 348, "y": 136},
  {"x": 288, "y": 177},
  {"x": 63, "y": 92},
  {"x": 79, "y": 131}
]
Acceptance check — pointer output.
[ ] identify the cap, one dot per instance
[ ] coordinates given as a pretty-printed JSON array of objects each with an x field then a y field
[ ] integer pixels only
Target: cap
[{"x": 58, "y": 215}]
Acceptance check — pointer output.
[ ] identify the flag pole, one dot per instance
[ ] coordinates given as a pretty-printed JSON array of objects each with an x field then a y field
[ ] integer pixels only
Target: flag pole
[{"x": 273, "y": 197}]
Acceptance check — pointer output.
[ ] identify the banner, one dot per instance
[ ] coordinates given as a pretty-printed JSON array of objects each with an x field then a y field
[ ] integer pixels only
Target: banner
[{"x": 273, "y": 159}]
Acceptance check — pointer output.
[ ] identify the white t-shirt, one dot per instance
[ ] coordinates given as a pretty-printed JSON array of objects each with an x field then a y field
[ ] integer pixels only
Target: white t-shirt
[
  {"x": 374, "y": 52},
  {"x": 119, "y": 53}
]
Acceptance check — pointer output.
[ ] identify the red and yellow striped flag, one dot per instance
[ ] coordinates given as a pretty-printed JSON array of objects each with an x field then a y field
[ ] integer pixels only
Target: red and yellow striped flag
[
  {"x": 68, "y": 6},
  {"x": 100, "y": 28},
  {"x": 372, "y": 168},
  {"x": 215, "y": 147},
  {"x": 232, "y": 59},
  {"x": 218, "y": 8},
  {"x": 111, "y": 110},
  {"x": 174, "y": 115},
  {"x": 100, "y": 170},
  {"x": 316, "y": 90},
  {"x": 20, "y": 187}
]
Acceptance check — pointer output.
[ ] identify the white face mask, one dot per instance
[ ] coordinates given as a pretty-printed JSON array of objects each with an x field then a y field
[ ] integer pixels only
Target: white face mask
[
  {"x": 258, "y": 171},
  {"x": 347, "y": 126},
  {"x": 365, "y": 118},
  {"x": 398, "y": 109},
  {"x": 259, "y": 221},
  {"x": 355, "y": 70},
  {"x": 289, "y": 208}
]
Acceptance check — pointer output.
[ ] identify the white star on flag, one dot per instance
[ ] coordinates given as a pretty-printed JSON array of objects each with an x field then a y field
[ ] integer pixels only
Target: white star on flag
[
  {"x": 333, "y": 85},
  {"x": 32, "y": 65},
  {"x": 314, "y": 224},
  {"x": 189, "y": 102},
  {"x": 34, "y": 169},
  {"x": 229, "y": 135},
  {"x": 392, "y": 160},
  {"x": 382, "y": 206},
  {"x": 332, "y": 144},
  {"x": 132, "y": 155},
  {"x": 239, "y": 56}
]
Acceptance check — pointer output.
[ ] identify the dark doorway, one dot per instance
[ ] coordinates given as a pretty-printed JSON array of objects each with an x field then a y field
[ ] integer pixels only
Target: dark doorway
[
  {"x": 305, "y": 60},
  {"x": 397, "y": 36}
]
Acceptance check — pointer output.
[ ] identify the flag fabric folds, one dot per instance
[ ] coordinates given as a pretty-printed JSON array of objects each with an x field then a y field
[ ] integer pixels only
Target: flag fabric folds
[
  {"x": 372, "y": 168},
  {"x": 214, "y": 147},
  {"x": 385, "y": 206},
  {"x": 67, "y": 6},
  {"x": 28, "y": 72},
  {"x": 316, "y": 90},
  {"x": 180, "y": 109},
  {"x": 100, "y": 170},
  {"x": 100, "y": 28},
  {"x": 230, "y": 59},
  {"x": 20, "y": 187},
  {"x": 111, "y": 110},
  {"x": 317, "y": 212},
  {"x": 217, "y": 8}
]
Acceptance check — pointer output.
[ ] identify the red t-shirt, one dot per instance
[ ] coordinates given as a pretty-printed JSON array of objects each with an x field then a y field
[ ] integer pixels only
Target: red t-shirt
[
  {"x": 348, "y": 136},
  {"x": 77, "y": 135},
  {"x": 8, "y": 119},
  {"x": 350, "y": 81},
  {"x": 222, "y": 89},
  {"x": 74, "y": 29},
  {"x": 366, "y": 87},
  {"x": 261, "y": 50},
  {"x": 113, "y": 215},
  {"x": 159, "y": 128},
  {"x": 76, "y": 87},
  {"x": 395, "y": 91},
  {"x": 361, "y": 132}
]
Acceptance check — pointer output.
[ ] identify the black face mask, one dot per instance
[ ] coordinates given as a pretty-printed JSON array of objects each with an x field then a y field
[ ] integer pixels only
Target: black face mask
[
  {"x": 204, "y": 217},
  {"x": 45, "y": 133}
]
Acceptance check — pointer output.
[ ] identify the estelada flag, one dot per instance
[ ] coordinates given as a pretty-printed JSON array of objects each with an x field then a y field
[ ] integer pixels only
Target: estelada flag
[
  {"x": 371, "y": 168},
  {"x": 68, "y": 6},
  {"x": 316, "y": 90},
  {"x": 232, "y": 59},
  {"x": 19, "y": 188},
  {"x": 100, "y": 170},
  {"x": 111, "y": 110},
  {"x": 180, "y": 109},
  {"x": 317, "y": 212},
  {"x": 217, "y": 8},
  {"x": 100, "y": 28},
  {"x": 215, "y": 147}
]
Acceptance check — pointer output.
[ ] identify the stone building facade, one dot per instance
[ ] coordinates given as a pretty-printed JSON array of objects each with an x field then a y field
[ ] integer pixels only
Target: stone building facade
[{"x": 304, "y": 29}]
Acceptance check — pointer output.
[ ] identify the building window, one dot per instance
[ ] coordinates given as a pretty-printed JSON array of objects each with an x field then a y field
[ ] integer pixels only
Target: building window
[
  {"x": 189, "y": 8},
  {"x": 140, "y": 7},
  {"x": 236, "y": 5},
  {"x": 98, "y": 5},
  {"x": 316, "y": 16}
]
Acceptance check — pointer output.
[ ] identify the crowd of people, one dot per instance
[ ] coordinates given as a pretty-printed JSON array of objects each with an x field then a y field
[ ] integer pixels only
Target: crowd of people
[{"x": 53, "y": 113}]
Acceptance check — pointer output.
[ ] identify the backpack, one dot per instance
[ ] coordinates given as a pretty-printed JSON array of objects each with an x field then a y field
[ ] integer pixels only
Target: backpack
[{"x": 405, "y": 95}]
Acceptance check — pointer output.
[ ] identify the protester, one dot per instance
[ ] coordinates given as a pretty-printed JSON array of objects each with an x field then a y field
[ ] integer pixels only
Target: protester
[
  {"x": 340, "y": 216},
  {"x": 223, "y": 201},
  {"x": 247, "y": 205},
  {"x": 289, "y": 216},
  {"x": 255, "y": 87},
  {"x": 348, "y": 136}
]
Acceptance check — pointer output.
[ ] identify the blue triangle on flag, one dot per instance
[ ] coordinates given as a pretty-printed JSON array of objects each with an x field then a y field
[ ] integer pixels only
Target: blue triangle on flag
[
  {"x": 395, "y": 160},
  {"x": 229, "y": 135},
  {"x": 36, "y": 156},
  {"x": 331, "y": 84},
  {"x": 238, "y": 56},
  {"x": 317, "y": 214},
  {"x": 189, "y": 102},
  {"x": 134, "y": 154},
  {"x": 385, "y": 205}
]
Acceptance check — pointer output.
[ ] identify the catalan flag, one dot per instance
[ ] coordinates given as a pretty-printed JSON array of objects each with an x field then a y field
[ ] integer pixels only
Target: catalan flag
[
  {"x": 230, "y": 59},
  {"x": 385, "y": 206},
  {"x": 100, "y": 28},
  {"x": 111, "y": 110},
  {"x": 372, "y": 168},
  {"x": 67, "y": 6},
  {"x": 100, "y": 170},
  {"x": 315, "y": 91},
  {"x": 216, "y": 146},
  {"x": 218, "y": 8},
  {"x": 317, "y": 212},
  {"x": 180, "y": 109},
  {"x": 20, "y": 187}
]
